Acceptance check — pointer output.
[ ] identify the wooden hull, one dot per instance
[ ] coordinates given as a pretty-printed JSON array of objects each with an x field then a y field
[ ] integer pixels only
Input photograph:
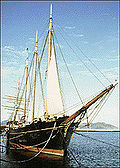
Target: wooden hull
[
  {"x": 32, "y": 151},
  {"x": 33, "y": 138}
]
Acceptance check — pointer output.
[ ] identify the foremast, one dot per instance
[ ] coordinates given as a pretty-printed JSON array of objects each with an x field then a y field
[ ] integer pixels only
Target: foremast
[
  {"x": 34, "y": 82},
  {"x": 25, "y": 87}
]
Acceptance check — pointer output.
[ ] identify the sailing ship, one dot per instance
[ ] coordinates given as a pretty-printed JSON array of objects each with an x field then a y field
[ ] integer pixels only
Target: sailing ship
[{"x": 47, "y": 135}]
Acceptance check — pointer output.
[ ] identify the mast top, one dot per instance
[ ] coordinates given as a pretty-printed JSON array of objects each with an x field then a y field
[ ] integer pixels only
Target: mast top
[
  {"x": 50, "y": 27},
  {"x": 51, "y": 11},
  {"x": 36, "y": 40}
]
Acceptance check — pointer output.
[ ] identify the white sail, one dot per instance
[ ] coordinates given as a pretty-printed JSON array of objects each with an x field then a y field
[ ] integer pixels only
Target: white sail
[{"x": 54, "y": 100}]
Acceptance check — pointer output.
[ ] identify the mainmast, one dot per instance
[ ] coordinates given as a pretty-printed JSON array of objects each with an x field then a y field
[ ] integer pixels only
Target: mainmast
[
  {"x": 49, "y": 48},
  {"x": 25, "y": 87},
  {"x": 34, "y": 84},
  {"x": 50, "y": 37},
  {"x": 54, "y": 103}
]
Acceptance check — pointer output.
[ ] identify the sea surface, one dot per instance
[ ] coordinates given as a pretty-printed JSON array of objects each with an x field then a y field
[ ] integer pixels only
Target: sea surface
[{"x": 88, "y": 150}]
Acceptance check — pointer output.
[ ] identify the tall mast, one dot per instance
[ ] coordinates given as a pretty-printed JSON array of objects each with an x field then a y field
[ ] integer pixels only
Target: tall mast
[
  {"x": 34, "y": 84},
  {"x": 50, "y": 37},
  {"x": 49, "y": 47},
  {"x": 25, "y": 86}
]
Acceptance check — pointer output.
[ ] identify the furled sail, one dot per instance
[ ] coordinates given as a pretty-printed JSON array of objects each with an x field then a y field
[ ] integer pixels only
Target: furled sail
[{"x": 54, "y": 100}]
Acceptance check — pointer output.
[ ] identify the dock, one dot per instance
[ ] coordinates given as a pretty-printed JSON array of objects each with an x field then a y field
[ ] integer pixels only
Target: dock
[{"x": 96, "y": 130}]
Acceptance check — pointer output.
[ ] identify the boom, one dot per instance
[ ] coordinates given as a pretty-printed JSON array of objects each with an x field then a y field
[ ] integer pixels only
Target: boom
[{"x": 85, "y": 107}]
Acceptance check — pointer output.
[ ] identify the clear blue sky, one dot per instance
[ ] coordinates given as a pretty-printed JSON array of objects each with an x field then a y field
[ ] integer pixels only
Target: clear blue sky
[{"x": 93, "y": 26}]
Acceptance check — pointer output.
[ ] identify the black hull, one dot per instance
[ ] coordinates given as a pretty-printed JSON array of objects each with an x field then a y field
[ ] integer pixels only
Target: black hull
[{"x": 33, "y": 138}]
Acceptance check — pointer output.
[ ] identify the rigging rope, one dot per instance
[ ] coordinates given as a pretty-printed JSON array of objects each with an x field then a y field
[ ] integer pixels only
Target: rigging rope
[
  {"x": 34, "y": 145},
  {"x": 69, "y": 71},
  {"x": 59, "y": 77},
  {"x": 43, "y": 31},
  {"x": 42, "y": 34},
  {"x": 88, "y": 58},
  {"x": 22, "y": 81},
  {"x": 83, "y": 62},
  {"x": 98, "y": 105},
  {"x": 41, "y": 86},
  {"x": 30, "y": 90},
  {"x": 43, "y": 48},
  {"x": 24, "y": 85},
  {"x": 96, "y": 139},
  {"x": 70, "y": 149},
  {"x": 18, "y": 105},
  {"x": 27, "y": 79},
  {"x": 101, "y": 106},
  {"x": 23, "y": 161},
  {"x": 39, "y": 61}
]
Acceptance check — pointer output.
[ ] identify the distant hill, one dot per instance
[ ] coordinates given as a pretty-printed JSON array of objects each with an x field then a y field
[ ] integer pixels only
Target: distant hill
[{"x": 99, "y": 125}]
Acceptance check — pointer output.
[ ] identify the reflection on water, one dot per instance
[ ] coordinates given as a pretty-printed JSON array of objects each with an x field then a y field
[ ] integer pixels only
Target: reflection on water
[
  {"x": 89, "y": 153},
  {"x": 36, "y": 163}
]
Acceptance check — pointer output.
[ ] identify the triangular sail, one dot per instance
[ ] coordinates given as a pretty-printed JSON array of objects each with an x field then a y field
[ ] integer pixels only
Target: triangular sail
[{"x": 54, "y": 100}]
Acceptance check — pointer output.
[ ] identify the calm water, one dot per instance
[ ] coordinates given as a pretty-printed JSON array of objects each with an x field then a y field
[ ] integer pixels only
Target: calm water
[{"x": 88, "y": 152}]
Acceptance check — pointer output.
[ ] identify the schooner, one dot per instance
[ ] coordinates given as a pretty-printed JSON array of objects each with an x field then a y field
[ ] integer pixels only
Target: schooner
[{"x": 47, "y": 135}]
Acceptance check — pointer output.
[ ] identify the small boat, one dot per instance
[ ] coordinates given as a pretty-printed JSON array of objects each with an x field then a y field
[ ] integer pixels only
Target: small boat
[{"x": 46, "y": 135}]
